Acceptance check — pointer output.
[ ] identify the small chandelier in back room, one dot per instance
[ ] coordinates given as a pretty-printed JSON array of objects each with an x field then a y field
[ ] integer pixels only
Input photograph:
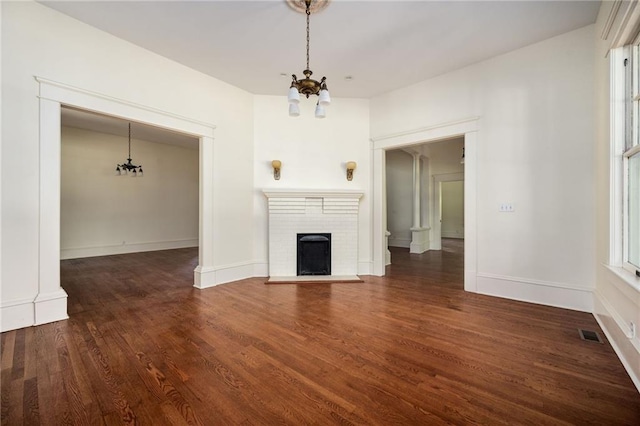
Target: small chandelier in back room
[
  {"x": 129, "y": 167},
  {"x": 307, "y": 86}
]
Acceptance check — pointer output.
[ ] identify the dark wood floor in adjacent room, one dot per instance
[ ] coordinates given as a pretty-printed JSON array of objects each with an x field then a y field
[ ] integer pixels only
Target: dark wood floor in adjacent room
[{"x": 142, "y": 346}]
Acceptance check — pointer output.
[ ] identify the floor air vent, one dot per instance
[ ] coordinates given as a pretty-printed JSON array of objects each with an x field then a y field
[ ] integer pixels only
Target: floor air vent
[{"x": 589, "y": 335}]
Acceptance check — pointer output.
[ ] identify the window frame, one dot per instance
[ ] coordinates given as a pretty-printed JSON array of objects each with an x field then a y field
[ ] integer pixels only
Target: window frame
[{"x": 625, "y": 143}]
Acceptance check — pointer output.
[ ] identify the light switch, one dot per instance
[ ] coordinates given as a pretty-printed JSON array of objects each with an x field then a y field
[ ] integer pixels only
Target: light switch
[{"x": 506, "y": 208}]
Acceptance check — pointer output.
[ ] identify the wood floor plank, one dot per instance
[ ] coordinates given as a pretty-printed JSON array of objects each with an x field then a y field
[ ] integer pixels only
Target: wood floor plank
[
  {"x": 143, "y": 346},
  {"x": 6, "y": 350}
]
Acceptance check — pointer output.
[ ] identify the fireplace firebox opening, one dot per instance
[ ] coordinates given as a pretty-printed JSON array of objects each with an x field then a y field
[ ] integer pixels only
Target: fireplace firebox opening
[{"x": 314, "y": 254}]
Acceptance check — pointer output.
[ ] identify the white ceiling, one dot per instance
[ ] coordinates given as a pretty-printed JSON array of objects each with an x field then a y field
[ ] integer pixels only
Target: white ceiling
[{"x": 383, "y": 45}]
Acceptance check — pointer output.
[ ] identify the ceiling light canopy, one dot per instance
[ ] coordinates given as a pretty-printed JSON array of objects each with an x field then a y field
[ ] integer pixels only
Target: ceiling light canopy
[{"x": 308, "y": 86}]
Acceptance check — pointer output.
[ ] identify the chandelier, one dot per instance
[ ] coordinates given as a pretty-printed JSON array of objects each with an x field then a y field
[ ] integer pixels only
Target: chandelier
[
  {"x": 129, "y": 166},
  {"x": 308, "y": 86}
]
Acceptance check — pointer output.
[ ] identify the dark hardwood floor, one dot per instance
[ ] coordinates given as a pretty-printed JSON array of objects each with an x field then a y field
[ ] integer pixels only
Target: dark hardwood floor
[{"x": 142, "y": 346}]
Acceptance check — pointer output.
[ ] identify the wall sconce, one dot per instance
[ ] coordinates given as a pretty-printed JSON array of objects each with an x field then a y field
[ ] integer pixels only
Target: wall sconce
[
  {"x": 351, "y": 166},
  {"x": 276, "y": 169}
]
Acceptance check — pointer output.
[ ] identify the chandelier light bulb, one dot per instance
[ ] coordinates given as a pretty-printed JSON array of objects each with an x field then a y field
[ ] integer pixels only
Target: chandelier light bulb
[
  {"x": 294, "y": 95},
  {"x": 320, "y": 112},
  {"x": 294, "y": 110},
  {"x": 324, "y": 98}
]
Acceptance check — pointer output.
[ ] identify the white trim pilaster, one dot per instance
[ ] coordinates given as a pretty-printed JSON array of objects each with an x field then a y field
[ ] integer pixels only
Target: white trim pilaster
[
  {"x": 51, "y": 302},
  {"x": 379, "y": 178},
  {"x": 204, "y": 274}
]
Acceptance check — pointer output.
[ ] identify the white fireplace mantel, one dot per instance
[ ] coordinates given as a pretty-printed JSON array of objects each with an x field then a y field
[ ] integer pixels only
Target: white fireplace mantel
[
  {"x": 312, "y": 193},
  {"x": 294, "y": 211}
]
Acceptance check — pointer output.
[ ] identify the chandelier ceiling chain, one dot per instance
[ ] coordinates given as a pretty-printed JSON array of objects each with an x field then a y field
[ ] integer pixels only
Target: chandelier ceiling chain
[
  {"x": 128, "y": 166},
  {"x": 308, "y": 14},
  {"x": 308, "y": 86}
]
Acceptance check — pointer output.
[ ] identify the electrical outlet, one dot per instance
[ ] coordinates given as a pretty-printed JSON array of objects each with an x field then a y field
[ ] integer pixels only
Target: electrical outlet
[
  {"x": 506, "y": 208},
  {"x": 632, "y": 330}
]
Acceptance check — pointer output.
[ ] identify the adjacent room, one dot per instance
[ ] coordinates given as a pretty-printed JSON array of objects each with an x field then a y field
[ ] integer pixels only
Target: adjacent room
[{"x": 437, "y": 225}]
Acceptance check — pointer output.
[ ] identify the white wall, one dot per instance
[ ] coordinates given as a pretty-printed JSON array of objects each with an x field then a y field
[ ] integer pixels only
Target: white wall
[
  {"x": 313, "y": 154},
  {"x": 534, "y": 149},
  {"x": 445, "y": 156},
  {"x": 617, "y": 303},
  {"x": 103, "y": 214},
  {"x": 399, "y": 197},
  {"x": 452, "y": 194},
  {"x": 37, "y": 41}
]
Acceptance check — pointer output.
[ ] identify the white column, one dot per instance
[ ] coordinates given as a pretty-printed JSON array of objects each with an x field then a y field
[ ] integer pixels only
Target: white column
[
  {"x": 204, "y": 274},
  {"x": 416, "y": 190},
  {"x": 51, "y": 302},
  {"x": 419, "y": 235}
]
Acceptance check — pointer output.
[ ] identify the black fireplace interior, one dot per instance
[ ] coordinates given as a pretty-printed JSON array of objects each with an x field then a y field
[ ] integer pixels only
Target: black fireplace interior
[{"x": 314, "y": 254}]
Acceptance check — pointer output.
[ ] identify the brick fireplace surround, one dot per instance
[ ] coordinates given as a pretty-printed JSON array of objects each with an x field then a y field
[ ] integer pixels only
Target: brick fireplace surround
[{"x": 313, "y": 211}]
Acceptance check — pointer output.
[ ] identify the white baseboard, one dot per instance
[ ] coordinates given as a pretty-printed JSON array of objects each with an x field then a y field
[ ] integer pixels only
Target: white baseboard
[
  {"x": 21, "y": 313},
  {"x": 419, "y": 248},
  {"x": 470, "y": 281},
  {"x": 204, "y": 277},
  {"x": 452, "y": 235},
  {"x": 399, "y": 242},
  {"x": 16, "y": 314},
  {"x": 213, "y": 276},
  {"x": 365, "y": 268},
  {"x": 542, "y": 292},
  {"x": 80, "y": 252},
  {"x": 235, "y": 272},
  {"x": 260, "y": 269},
  {"x": 627, "y": 348},
  {"x": 50, "y": 307}
]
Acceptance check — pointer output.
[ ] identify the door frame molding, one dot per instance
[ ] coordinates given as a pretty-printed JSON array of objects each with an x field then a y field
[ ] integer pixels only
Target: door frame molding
[{"x": 468, "y": 128}]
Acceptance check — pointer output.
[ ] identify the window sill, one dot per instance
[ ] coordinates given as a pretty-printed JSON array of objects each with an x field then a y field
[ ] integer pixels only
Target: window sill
[{"x": 626, "y": 276}]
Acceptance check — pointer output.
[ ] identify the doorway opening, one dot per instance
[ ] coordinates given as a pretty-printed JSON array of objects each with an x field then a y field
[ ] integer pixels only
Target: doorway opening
[
  {"x": 466, "y": 128},
  {"x": 51, "y": 302},
  {"x": 425, "y": 208},
  {"x": 105, "y": 210}
]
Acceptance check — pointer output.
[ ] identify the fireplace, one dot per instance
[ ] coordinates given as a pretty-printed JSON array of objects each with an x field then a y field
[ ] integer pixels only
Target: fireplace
[
  {"x": 295, "y": 213},
  {"x": 314, "y": 254}
]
